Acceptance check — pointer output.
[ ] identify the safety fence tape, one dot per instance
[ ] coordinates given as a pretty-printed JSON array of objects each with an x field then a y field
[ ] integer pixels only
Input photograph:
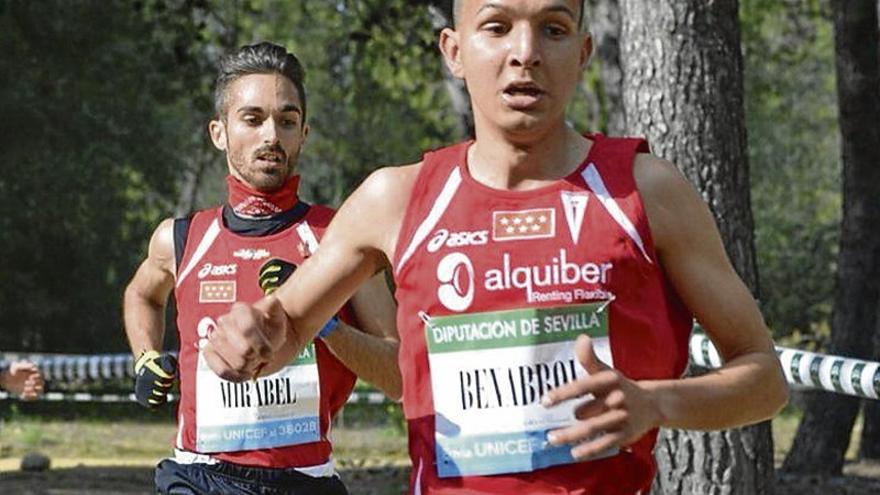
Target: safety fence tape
[
  {"x": 808, "y": 370},
  {"x": 803, "y": 369},
  {"x": 72, "y": 367},
  {"x": 354, "y": 398}
]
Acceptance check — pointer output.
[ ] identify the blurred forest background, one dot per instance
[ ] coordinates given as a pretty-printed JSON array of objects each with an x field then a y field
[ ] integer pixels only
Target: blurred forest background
[
  {"x": 104, "y": 108},
  {"x": 104, "y": 134}
]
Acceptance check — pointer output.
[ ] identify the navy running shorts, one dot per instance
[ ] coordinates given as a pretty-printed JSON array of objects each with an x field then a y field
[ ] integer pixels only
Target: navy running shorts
[{"x": 224, "y": 478}]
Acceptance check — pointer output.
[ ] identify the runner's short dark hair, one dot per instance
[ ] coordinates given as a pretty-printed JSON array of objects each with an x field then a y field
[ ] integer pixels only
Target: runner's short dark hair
[
  {"x": 456, "y": 6},
  {"x": 260, "y": 58}
]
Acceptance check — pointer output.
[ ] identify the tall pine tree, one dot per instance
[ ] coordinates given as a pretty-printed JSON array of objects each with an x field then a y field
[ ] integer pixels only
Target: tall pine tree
[{"x": 683, "y": 89}]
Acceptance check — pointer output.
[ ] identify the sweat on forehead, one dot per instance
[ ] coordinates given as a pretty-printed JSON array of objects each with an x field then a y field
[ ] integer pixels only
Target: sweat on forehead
[{"x": 457, "y": 4}]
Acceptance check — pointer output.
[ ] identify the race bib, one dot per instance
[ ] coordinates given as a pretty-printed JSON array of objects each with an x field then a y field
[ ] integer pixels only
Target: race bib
[
  {"x": 274, "y": 411},
  {"x": 488, "y": 374}
]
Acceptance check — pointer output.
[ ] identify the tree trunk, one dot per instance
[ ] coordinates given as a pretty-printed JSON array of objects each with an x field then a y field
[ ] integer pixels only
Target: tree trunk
[
  {"x": 869, "y": 447},
  {"x": 870, "y": 444},
  {"x": 823, "y": 435},
  {"x": 189, "y": 184},
  {"x": 604, "y": 24},
  {"x": 683, "y": 89}
]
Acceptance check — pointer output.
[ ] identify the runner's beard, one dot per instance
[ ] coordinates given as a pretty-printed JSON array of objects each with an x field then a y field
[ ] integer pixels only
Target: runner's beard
[{"x": 264, "y": 179}]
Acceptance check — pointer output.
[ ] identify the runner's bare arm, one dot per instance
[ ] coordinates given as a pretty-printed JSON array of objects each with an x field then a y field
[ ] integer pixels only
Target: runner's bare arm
[
  {"x": 750, "y": 387},
  {"x": 147, "y": 293},
  {"x": 371, "y": 352},
  {"x": 359, "y": 241}
]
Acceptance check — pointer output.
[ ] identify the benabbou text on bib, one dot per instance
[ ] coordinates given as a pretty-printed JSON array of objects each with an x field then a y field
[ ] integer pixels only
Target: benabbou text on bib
[{"x": 488, "y": 374}]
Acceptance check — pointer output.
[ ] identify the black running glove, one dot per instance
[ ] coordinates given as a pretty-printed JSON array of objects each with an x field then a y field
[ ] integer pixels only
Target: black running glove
[{"x": 154, "y": 376}]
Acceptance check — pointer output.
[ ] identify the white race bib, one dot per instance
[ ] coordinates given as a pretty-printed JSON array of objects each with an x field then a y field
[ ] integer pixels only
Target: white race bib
[
  {"x": 274, "y": 411},
  {"x": 488, "y": 374}
]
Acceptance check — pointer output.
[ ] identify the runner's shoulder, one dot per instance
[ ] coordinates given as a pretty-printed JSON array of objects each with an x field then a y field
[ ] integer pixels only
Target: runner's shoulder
[
  {"x": 672, "y": 204},
  {"x": 389, "y": 186},
  {"x": 161, "y": 248},
  {"x": 656, "y": 176}
]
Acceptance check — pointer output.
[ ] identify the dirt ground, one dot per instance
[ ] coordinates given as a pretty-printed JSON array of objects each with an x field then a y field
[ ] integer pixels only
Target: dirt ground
[
  {"x": 387, "y": 480},
  {"x": 859, "y": 479}
]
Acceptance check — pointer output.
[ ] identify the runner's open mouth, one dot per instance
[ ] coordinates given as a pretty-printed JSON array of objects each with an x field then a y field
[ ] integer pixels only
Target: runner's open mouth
[
  {"x": 524, "y": 89},
  {"x": 270, "y": 157}
]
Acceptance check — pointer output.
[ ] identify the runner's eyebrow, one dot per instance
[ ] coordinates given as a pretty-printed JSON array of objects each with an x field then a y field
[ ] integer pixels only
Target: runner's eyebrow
[
  {"x": 564, "y": 9},
  {"x": 553, "y": 8},
  {"x": 250, "y": 109},
  {"x": 290, "y": 107}
]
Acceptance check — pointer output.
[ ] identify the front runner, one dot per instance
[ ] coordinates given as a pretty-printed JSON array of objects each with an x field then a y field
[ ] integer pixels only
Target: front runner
[
  {"x": 515, "y": 256},
  {"x": 269, "y": 435}
]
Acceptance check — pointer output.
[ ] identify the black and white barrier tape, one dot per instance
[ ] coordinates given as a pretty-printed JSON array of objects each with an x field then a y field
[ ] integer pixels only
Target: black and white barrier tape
[
  {"x": 70, "y": 367},
  {"x": 803, "y": 369},
  {"x": 354, "y": 398},
  {"x": 808, "y": 370}
]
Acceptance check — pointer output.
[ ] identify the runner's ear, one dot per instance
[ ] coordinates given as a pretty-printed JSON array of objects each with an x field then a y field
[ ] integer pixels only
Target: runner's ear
[
  {"x": 451, "y": 50},
  {"x": 583, "y": 349},
  {"x": 586, "y": 50},
  {"x": 217, "y": 131}
]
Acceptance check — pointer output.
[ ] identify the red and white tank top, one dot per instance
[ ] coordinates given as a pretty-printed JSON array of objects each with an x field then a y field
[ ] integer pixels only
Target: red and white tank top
[
  {"x": 493, "y": 287},
  {"x": 281, "y": 420}
]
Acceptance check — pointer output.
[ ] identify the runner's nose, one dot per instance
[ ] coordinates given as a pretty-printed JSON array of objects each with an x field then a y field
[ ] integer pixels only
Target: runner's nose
[
  {"x": 525, "y": 50},
  {"x": 269, "y": 131}
]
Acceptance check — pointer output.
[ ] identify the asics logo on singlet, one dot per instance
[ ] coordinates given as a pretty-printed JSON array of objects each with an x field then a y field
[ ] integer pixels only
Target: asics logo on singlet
[
  {"x": 217, "y": 270},
  {"x": 457, "y": 239},
  {"x": 456, "y": 275}
]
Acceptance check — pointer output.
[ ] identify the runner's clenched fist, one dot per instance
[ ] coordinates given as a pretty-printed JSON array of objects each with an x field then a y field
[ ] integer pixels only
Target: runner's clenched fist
[{"x": 246, "y": 338}]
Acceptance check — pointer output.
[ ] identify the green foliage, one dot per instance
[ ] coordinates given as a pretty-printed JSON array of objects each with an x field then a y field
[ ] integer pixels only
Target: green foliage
[
  {"x": 589, "y": 110},
  {"x": 795, "y": 168},
  {"x": 374, "y": 84},
  {"x": 105, "y": 106},
  {"x": 32, "y": 435},
  {"x": 396, "y": 419},
  {"x": 88, "y": 158}
]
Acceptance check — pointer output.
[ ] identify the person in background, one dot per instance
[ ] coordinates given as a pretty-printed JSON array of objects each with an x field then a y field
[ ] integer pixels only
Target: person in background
[
  {"x": 23, "y": 379},
  {"x": 269, "y": 435}
]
